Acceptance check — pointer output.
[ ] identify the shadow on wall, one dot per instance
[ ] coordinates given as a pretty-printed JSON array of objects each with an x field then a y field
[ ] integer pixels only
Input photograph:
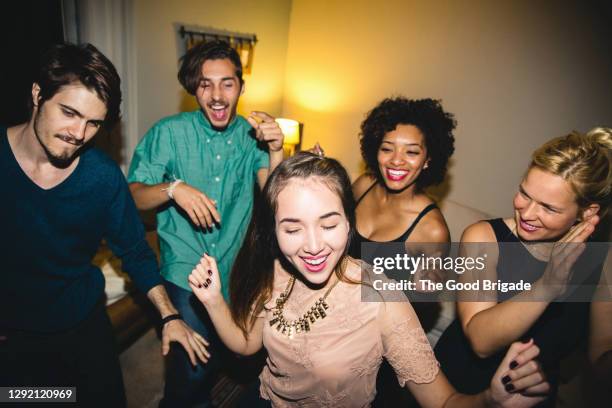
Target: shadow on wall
[
  {"x": 188, "y": 102},
  {"x": 111, "y": 142}
]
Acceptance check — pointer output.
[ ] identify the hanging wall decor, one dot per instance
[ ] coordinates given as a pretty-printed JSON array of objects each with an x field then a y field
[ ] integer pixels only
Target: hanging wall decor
[{"x": 244, "y": 44}]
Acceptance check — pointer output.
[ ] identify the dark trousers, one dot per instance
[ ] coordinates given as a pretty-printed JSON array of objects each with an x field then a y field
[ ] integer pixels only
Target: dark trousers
[
  {"x": 84, "y": 357},
  {"x": 186, "y": 385}
]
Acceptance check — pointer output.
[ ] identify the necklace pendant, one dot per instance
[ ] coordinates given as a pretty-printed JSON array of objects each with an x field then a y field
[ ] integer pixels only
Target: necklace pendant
[
  {"x": 324, "y": 304},
  {"x": 273, "y": 321},
  {"x": 315, "y": 312},
  {"x": 322, "y": 312}
]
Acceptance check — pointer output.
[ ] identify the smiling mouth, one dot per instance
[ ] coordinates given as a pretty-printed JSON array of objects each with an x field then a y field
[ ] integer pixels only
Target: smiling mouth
[
  {"x": 69, "y": 140},
  {"x": 219, "y": 112},
  {"x": 396, "y": 175},
  {"x": 315, "y": 264},
  {"x": 527, "y": 227}
]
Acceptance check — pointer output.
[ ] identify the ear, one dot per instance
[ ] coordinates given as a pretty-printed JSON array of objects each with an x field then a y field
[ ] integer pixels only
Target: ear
[
  {"x": 242, "y": 88},
  {"x": 35, "y": 94},
  {"x": 426, "y": 165},
  {"x": 589, "y": 211}
]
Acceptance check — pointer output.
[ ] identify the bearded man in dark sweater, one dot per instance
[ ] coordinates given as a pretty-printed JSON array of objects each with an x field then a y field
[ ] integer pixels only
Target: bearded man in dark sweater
[{"x": 65, "y": 197}]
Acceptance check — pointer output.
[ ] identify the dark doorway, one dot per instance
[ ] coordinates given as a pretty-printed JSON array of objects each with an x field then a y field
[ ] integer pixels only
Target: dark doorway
[{"x": 28, "y": 27}]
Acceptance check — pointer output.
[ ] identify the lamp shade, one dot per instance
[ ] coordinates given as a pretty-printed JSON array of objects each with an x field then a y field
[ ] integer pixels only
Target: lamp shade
[{"x": 291, "y": 130}]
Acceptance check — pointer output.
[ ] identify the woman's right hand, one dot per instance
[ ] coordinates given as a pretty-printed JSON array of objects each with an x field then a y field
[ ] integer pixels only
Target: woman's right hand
[
  {"x": 519, "y": 381},
  {"x": 564, "y": 254},
  {"x": 205, "y": 281}
]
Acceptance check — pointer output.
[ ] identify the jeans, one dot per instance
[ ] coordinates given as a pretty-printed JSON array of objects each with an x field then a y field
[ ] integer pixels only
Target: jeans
[
  {"x": 188, "y": 386},
  {"x": 84, "y": 357}
]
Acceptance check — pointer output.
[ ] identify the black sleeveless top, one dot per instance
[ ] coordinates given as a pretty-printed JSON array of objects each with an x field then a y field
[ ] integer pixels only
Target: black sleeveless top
[
  {"x": 355, "y": 246},
  {"x": 561, "y": 329}
]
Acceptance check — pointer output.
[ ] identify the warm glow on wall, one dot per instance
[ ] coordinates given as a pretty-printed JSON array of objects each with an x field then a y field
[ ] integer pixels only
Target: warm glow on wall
[{"x": 314, "y": 94}]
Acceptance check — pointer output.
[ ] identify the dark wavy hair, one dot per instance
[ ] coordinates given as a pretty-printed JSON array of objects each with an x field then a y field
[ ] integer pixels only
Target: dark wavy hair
[
  {"x": 252, "y": 276},
  {"x": 427, "y": 115},
  {"x": 190, "y": 72},
  {"x": 65, "y": 64}
]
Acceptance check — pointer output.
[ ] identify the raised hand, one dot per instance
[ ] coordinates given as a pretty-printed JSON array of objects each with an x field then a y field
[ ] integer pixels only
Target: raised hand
[
  {"x": 201, "y": 209},
  {"x": 564, "y": 254},
  {"x": 205, "y": 282},
  {"x": 519, "y": 380},
  {"x": 267, "y": 130}
]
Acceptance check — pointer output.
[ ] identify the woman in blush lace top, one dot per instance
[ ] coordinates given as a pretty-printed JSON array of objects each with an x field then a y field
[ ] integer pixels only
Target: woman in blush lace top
[{"x": 294, "y": 291}]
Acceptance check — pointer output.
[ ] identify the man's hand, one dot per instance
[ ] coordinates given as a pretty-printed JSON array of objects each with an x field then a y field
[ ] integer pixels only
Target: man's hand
[
  {"x": 192, "y": 342},
  {"x": 267, "y": 130},
  {"x": 201, "y": 209}
]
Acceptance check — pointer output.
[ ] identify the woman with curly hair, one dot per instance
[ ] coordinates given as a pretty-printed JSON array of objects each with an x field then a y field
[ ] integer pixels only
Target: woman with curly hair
[
  {"x": 294, "y": 291},
  {"x": 406, "y": 145},
  {"x": 565, "y": 191}
]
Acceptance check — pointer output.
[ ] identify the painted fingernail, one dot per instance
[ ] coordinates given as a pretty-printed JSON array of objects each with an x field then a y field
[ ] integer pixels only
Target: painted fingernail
[
  {"x": 506, "y": 379},
  {"x": 199, "y": 285},
  {"x": 206, "y": 285},
  {"x": 208, "y": 281},
  {"x": 209, "y": 272},
  {"x": 509, "y": 387},
  {"x": 513, "y": 365}
]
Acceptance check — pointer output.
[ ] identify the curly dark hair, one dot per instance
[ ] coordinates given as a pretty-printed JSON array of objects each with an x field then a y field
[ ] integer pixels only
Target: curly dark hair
[{"x": 427, "y": 115}]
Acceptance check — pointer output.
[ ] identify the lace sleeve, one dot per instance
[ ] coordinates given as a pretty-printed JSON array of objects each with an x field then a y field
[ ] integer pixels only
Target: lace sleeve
[{"x": 405, "y": 345}]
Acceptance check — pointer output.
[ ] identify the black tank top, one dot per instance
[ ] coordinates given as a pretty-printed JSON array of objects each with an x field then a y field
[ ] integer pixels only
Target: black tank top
[
  {"x": 561, "y": 329},
  {"x": 358, "y": 239}
]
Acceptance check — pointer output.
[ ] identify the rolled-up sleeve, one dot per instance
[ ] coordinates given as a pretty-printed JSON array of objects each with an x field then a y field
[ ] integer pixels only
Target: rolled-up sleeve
[{"x": 152, "y": 157}]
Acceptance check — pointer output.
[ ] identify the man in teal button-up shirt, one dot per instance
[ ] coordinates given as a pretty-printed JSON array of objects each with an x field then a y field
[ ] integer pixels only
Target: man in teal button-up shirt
[{"x": 199, "y": 170}]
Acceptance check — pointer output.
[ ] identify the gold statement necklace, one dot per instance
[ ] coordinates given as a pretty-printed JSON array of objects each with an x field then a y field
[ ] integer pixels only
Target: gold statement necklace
[{"x": 301, "y": 325}]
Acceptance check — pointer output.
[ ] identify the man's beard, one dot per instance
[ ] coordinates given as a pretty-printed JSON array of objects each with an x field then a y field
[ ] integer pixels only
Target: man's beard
[{"x": 61, "y": 161}]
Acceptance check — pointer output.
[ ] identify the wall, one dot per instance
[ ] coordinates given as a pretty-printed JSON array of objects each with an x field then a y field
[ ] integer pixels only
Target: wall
[
  {"x": 157, "y": 52},
  {"x": 515, "y": 74}
]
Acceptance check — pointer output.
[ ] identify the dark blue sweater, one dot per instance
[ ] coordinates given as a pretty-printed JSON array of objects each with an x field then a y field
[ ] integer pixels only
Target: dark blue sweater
[{"x": 47, "y": 281}]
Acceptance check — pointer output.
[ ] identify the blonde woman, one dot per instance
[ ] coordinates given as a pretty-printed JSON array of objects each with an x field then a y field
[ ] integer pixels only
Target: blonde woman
[{"x": 557, "y": 207}]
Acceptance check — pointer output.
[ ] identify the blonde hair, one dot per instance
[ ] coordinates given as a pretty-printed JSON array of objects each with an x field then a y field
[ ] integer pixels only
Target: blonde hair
[{"x": 584, "y": 161}]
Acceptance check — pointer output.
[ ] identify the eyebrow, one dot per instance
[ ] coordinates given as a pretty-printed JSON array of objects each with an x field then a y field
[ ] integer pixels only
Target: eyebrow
[
  {"x": 405, "y": 144},
  {"x": 549, "y": 206},
  {"x": 323, "y": 217},
  {"x": 80, "y": 115},
  {"x": 231, "y": 78}
]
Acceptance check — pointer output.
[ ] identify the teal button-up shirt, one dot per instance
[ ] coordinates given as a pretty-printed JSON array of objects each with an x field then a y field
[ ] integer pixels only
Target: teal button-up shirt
[{"x": 223, "y": 165}]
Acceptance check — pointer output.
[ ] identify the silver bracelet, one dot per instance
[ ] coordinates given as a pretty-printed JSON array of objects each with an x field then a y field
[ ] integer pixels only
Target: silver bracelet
[{"x": 172, "y": 187}]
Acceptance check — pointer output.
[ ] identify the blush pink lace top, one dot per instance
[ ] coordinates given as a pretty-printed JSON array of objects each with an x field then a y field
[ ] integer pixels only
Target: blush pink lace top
[{"x": 335, "y": 364}]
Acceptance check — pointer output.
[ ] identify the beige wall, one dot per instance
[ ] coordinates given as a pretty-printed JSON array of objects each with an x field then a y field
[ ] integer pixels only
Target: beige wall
[
  {"x": 515, "y": 73},
  {"x": 157, "y": 52}
]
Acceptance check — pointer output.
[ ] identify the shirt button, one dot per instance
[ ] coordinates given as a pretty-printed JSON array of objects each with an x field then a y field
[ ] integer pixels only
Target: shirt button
[
  {"x": 218, "y": 157},
  {"x": 229, "y": 142},
  {"x": 207, "y": 140},
  {"x": 213, "y": 245},
  {"x": 217, "y": 179}
]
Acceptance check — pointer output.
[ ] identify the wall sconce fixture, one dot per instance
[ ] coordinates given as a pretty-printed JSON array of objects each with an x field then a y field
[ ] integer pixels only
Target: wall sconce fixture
[{"x": 292, "y": 132}]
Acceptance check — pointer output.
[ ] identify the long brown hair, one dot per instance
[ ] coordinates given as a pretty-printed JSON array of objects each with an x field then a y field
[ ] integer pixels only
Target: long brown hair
[{"x": 252, "y": 276}]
